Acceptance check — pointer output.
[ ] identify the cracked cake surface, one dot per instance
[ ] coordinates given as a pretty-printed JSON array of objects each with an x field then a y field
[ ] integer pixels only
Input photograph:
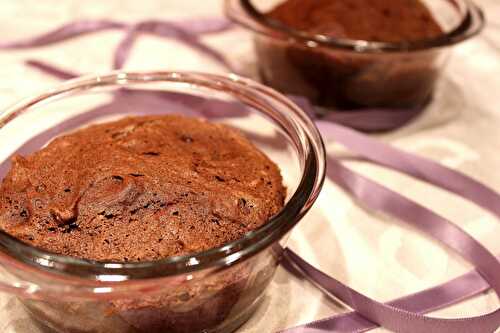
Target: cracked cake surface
[{"x": 140, "y": 188}]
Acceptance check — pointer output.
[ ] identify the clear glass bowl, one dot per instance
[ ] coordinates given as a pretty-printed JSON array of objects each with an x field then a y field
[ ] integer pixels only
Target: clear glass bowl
[
  {"x": 211, "y": 291},
  {"x": 354, "y": 74}
]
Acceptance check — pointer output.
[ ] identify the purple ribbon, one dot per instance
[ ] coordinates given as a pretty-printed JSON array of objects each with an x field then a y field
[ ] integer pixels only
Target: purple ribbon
[
  {"x": 187, "y": 32},
  {"x": 404, "y": 315},
  {"x": 401, "y": 315}
]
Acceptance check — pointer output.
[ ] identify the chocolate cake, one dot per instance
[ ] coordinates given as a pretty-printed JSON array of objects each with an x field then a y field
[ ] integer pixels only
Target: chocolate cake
[
  {"x": 142, "y": 189},
  {"x": 372, "y": 20},
  {"x": 344, "y": 79}
]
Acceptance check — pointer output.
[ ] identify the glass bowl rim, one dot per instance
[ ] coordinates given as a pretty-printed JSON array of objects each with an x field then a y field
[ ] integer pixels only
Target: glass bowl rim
[
  {"x": 471, "y": 24},
  {"x": 300, "y": 202}
]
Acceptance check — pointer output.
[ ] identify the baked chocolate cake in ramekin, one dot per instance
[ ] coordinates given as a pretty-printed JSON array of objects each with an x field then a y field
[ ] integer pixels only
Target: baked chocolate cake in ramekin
[{"x": 151, "y": 202}]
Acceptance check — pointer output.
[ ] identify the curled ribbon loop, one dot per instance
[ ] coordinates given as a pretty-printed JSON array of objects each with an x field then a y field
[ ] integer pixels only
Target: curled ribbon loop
[
  {"x": 401, "y": 315},
  {"x": 169, "y": 30},
  {"x": 187, "y": 32}
]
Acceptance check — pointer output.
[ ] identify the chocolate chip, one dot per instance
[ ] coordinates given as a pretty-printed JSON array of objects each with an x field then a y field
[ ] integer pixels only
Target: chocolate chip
[
  {"x": 71, "y": 225},
  {"x": 219, "y": 178},
  {"x": 186, "y": 138},
  {"x": 136, "y": 174},
  {"x": 151, "y": 153},
  {"x": 24, "y": 213}
]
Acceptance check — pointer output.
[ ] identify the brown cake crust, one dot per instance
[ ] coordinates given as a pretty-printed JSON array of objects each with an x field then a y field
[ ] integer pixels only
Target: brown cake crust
[
  {"x": 140, "y": 188},
  {"x": 373, "y": 20}
]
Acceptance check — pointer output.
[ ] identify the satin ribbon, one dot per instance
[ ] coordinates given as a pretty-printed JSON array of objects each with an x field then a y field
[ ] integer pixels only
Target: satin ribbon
[
  {"x": 401, "y": 315},
  {"x": 189, "y": 33}
]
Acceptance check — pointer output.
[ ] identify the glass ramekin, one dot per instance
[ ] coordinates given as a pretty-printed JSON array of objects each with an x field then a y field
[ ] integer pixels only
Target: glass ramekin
[
  {"x": 211, "y": 291},
  {"x": 354, "y": 74}
]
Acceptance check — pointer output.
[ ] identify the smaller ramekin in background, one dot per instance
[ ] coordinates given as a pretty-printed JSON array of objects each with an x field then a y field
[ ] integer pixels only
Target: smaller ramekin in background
[{"x": 355, "y": 74}]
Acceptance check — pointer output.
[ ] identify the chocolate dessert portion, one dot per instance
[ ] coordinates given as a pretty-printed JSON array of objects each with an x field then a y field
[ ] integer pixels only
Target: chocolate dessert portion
[
  {"x": 349, "y": 79},
  {"x": 143, "y": 189},
  {"x": 371, "y": 20},
  {"x": 140, "y": 189}
]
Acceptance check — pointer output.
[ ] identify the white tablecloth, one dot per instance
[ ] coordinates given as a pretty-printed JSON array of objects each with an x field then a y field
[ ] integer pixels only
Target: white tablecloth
[{"x": 375, "y": 254}]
